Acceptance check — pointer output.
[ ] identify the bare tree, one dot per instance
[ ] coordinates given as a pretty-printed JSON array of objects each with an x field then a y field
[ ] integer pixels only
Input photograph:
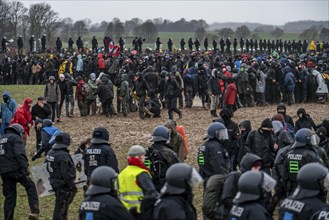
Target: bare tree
[
  {"x": 4, "y": 16},
  {"x": 17, "y": 12},
  {"x": 67, "y": 25},
  {"x": 51, "y": 24},
  {"x": 242, "y": 32},
  {"x": 118, "y": 28},
  {"x": 277, "y": 32},
  {"x": 80, "y": 28}
]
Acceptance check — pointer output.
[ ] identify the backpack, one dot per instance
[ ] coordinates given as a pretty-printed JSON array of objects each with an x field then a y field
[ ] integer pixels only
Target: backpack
[
  {"x": 85, "y": 89},
  {"x": 157, "y": 165},
  {"x": 212, "y": 195}
]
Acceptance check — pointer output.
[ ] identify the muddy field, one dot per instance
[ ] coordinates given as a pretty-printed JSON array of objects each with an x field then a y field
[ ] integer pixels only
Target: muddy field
[{"x": 125, "y": 132}]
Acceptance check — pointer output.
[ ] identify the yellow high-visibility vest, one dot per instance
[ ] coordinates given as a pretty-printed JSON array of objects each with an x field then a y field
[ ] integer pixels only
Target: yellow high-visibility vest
[{"x": 130, "y": 194}]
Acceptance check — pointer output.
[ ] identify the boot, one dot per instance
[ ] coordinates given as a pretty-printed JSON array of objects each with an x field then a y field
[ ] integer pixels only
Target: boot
[
  {"x": 180, "y": 114},
  {"x": 147, "y": 111},
  {"x": 33, "y": 216}
]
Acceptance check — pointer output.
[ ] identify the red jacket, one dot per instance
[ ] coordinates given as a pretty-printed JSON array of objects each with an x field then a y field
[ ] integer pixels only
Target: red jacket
[
  {"x": 101, "y": 62},
  {"x": 23, "y": 116},
  {"x": 230, "y": 94},
  {"x": 78, "y": 92}
]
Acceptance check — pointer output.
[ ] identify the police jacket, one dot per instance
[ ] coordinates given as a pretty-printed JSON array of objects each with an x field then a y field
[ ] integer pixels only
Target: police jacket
[
  {"x": 12, "y": 154},
  {"x": 301, "y": 209},
  {"x": 100, "y": 155},
  {"x": 61, "y": 168},
  {"x": 249, "y": 211},
  {"x": 103, "y": 207},
  {"x": 322, "y": 214},
  {"x": 295, "y": 159},
  {"x": 213, "y": 158},
  {"x": 262, "y": 145},
  {"x": 174, "y": 207}
]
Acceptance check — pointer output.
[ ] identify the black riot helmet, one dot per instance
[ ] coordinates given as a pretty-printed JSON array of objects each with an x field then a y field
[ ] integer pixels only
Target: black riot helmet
[
  {"x": 62, "y": 141},
  {"x": 179, "y": 178},
  {"x": 103, "y": 180},
  {"x": 100, "y": 136},
  {"x": 312, "y": 179},
  {"x": 251, "y": 186},
  {"x": 160, "y": 133},
  {"x": 305, "y": 137},
  {"x": 17, "y": 128},
  {"x": 217, "y": 130}
]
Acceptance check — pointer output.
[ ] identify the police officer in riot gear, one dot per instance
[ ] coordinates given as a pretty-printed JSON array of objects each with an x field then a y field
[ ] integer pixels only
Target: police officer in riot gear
[
  {"x": 252, "y": 186},
  {"x": 212, "y": 156},
  {"x": 101, "y": 201},
  {"x": 302, "y": 152},
  {"x": 14, "y": 168},
  {"x": 61, "y": 175},
  {"x": 176, "y": 199},
  {"x": 100, "y": 153},
  {"x": 159, "y": 157},
  {"x": 313, "y": 184}
]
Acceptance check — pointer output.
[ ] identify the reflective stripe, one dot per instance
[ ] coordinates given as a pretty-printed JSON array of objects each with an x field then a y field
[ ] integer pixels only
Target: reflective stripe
[
  {"x": 132, "y": 194},
  {"x": 131, "y": 202}
]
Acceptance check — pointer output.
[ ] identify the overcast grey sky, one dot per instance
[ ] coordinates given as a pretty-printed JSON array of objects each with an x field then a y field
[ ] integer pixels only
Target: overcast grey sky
[{"x": 266, "y": 11}]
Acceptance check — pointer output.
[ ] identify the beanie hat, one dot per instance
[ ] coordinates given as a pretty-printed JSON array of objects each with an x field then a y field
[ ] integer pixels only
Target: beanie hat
[
  {"x": 267, "y": 123},
  {"x": 136, "y": 150},
  {"x": 61, "y": 76},
  {"x": 278, "y": 117}
]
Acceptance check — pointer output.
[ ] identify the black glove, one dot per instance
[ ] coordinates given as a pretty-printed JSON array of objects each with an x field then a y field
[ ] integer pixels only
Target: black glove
[{"x": 34, "y": 157}]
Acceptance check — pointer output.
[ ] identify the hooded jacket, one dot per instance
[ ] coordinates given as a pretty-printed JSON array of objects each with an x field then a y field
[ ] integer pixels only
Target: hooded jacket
[
  {"x": 79, "y": 64},
  {"x": 305, "y": 121},
  {"x": 289, "y": 80},
  {"x": 176, "y": 141},
  {"x": 243, "y": 137},
  {"x": 23, "y": 116},
  {"x": 8, "y": 109},
  {"x": 322, "y": 86}
]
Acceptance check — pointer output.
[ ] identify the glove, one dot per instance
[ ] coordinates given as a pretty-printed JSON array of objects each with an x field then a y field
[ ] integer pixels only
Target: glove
[{"x": 35, "y": 156}]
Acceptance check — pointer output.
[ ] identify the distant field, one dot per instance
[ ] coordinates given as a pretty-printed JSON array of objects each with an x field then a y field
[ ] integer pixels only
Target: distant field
[{"x": 177, "y": 36}]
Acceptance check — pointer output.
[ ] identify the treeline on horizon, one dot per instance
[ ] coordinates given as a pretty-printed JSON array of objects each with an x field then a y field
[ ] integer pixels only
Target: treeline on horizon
[{"x": 39, "y": 19}]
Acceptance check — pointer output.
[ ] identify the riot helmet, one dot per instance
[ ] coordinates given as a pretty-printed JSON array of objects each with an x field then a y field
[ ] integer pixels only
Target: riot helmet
[
  {"x": 181, "y": 177},
  {"x": 103, "y": 180}
]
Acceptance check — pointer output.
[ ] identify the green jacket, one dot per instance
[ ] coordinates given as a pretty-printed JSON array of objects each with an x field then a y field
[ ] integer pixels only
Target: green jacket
[{"x": 93, "y": 88}]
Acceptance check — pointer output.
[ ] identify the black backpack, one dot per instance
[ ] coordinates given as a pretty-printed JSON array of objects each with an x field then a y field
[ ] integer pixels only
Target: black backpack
[{"x": 157, "y": 165}]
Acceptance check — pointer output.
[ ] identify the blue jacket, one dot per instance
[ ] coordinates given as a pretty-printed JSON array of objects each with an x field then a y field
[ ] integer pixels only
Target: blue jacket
[
  {"x": 289, "y": 80},
  {"x": 79, "y": 63},
  {"x": 8, "y": 109}
]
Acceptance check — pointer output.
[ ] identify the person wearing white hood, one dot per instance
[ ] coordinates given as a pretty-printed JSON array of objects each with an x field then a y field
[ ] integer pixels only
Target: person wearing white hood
[
  {"x": 79, "y": 67},
  {"x": 322, "y": 90}
]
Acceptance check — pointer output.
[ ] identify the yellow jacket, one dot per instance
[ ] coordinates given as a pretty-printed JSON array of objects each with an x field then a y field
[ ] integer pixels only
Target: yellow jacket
[
  {"x": 130, "y": 193},
  {"x": 312, "y": 46}
]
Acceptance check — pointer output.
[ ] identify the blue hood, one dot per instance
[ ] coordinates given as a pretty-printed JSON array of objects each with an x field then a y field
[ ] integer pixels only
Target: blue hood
[
  {"x": 287, "y": 69},
  {"x": 5, "y": 93}
]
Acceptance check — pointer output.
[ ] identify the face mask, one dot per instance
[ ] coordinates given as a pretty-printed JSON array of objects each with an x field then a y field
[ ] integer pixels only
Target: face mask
[
  {"x": 266, "y": 132},
  {"x": 5, "y": 99}
]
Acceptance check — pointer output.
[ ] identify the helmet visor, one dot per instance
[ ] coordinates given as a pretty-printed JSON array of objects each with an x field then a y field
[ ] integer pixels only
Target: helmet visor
[
  {"x": 326, "y": 182},
  {"x": 315, "y": 140},
  {"x": 222, "y": 134},
  {"x": 115, "y": 184},
  {"x": 195, "y": 178},
  {"x": 268, "y": 182}
]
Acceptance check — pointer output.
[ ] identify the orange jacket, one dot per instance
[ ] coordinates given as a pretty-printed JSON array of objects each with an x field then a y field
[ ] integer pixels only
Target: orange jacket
[{"x": 181, "y": 131}]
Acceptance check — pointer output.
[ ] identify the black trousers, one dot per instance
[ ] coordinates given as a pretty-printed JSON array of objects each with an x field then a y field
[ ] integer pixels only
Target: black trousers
[
  {"x": 172, "y": 107},
  {"x": 64, "y": 197},
  {"x": 54, "y": 109},
  {"x": 9, "y": 183}
]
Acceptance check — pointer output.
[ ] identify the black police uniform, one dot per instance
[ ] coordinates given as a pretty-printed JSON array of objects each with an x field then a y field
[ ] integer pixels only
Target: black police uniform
[
  {"x": 103, "y": 207},
  {"x": 301, "y": 209},
  {"x": 322, "y": 214},
  {"x": 172, "y": 207},
  {"x": 100, "y": 153},
  {"x": 249, "y": 211},
  {"x": 295, "y": 159},
  {"x": 213, "y": 159},
  {"x": 61, "y": 177},
  {"x": 14, "y": 169}
]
